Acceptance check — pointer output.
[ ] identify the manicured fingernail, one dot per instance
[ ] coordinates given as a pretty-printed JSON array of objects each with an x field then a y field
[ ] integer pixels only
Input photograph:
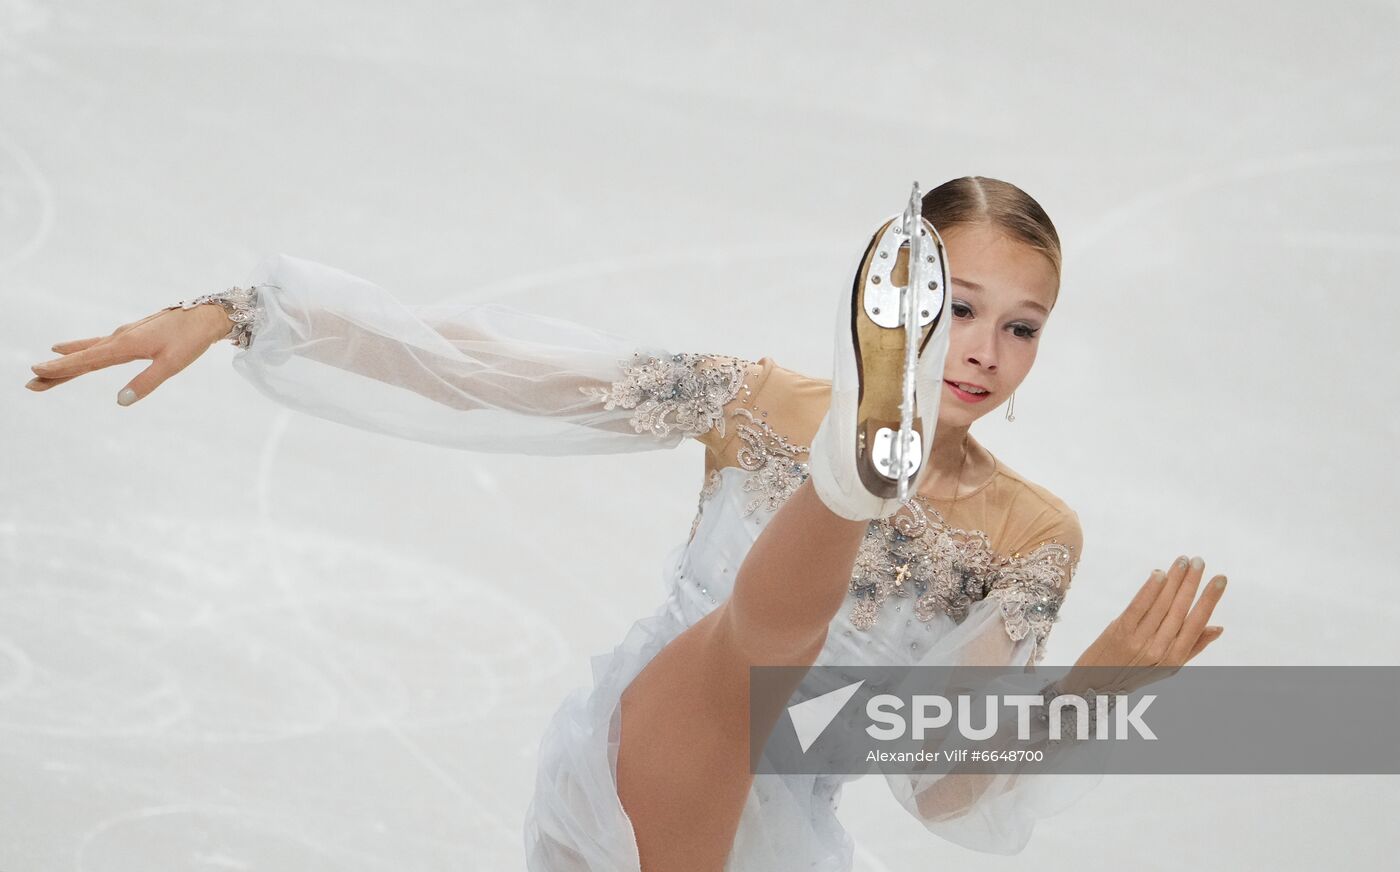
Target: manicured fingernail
[
  {"x": 126, "y": 397},
  {"x": 1220, "y": 583},
  {"x": 1197, "y": 563},
  {"x": 1181, "y": 562}
]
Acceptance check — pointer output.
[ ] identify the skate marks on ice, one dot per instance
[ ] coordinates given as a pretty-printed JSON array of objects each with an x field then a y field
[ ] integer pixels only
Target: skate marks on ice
[
  {"x": 26, "y": 205},
  {"x": 128, "y": 648},
  {"x": 210, "y": 836},
  {"x": 128, "y": 630}
]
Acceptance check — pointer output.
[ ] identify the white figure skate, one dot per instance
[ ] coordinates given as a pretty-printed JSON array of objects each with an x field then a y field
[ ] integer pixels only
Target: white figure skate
[{"x": 891, "y": 343}]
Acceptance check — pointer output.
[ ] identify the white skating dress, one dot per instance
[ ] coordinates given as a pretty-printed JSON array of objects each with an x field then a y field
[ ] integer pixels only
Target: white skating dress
[{"x": 976, "y": 581}]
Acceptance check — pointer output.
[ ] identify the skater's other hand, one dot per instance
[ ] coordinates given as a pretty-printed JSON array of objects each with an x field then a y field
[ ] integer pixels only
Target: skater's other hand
[
  {"x": 1156, "y": 634},
  {"x": 171, "y": 339}
]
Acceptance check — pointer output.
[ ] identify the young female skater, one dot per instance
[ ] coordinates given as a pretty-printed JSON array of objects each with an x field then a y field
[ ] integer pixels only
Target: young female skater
[{"x": 799, "y": 553}]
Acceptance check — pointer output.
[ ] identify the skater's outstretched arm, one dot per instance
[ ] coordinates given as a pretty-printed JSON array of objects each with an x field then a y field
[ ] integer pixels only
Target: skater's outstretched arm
[{"x": 477, "y": 376}]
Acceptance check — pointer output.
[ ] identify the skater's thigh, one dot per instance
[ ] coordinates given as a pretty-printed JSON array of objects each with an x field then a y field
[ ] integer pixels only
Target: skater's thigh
[{"x": 683, "y": 754}]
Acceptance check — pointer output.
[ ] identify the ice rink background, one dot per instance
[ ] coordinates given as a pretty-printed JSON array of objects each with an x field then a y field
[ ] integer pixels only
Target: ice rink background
[{"x": 232, "y": 637}]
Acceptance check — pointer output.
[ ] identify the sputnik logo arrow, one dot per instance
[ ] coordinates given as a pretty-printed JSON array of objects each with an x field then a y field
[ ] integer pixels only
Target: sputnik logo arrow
[{"x": 811, "y": 718}]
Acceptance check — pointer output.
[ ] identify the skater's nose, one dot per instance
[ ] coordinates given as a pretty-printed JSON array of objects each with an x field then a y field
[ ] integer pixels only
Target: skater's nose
[{"x": 980, "y": 348}]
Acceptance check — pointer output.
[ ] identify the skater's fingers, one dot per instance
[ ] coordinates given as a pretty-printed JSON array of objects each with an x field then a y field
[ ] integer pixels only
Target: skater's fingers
[
  {"x": 1195, "y": 623},
  {"x": 150, "y": 378},
  {"x": 1210, "y": 634},
  {"x": 43, "y": 384},
  {"x": 1166, "y": 594},
  {"x": 1185, "y": 593},
  {"x": 73, "y": 345},
  {"x": 1142, "y": 602},
  {"x": 101, "y": 355}
]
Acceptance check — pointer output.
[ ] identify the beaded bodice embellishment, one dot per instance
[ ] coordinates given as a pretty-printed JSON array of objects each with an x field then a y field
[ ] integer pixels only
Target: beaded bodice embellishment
[
  {"x": 914, "y": 554},
  {"x": 678, "y": 386}
]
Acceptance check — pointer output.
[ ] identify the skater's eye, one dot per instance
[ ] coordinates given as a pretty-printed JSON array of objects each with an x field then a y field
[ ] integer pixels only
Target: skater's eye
[{"x": 962, "y": 310}]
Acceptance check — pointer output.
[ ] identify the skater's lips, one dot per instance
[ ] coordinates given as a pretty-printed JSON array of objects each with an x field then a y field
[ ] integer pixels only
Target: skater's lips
[{"x": 955, "y": 381}]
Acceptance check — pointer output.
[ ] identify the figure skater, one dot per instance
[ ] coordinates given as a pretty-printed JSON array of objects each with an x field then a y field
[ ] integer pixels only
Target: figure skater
[{"x": 800, "y": 552}]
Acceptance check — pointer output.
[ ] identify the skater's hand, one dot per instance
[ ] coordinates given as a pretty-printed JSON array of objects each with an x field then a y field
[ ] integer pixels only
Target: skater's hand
[
  {"x": 171, "y": 339},
  {"x": 1155, "y": 635}
]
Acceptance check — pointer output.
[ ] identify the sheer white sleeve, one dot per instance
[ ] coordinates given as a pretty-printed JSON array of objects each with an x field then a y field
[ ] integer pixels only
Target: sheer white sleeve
[
  {"x": 477, "y": 376},
  {"x": 996, "y": 812}
]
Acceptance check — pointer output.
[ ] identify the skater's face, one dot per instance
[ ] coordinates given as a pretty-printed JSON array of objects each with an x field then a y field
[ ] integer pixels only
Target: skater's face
[{"x": 1002, "y": 294}]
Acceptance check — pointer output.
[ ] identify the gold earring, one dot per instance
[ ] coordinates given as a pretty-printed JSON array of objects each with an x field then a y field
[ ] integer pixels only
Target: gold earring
[{"x": 1010, "y": 405}]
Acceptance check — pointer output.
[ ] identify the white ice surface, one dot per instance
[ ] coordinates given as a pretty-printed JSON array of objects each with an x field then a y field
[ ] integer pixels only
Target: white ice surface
[{"x": 1219, "y": 378}]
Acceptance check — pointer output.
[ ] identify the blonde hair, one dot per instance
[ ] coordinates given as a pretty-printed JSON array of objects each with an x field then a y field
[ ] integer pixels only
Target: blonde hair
[{"x": 980, "y": 200}]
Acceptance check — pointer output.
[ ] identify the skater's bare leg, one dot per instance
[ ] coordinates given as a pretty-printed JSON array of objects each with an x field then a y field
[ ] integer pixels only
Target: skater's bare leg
[{"x": 683, "y": 758}]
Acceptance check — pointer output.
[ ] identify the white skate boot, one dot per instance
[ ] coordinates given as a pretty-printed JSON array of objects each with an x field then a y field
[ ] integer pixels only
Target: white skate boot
[{"x": 891, "y": 342}]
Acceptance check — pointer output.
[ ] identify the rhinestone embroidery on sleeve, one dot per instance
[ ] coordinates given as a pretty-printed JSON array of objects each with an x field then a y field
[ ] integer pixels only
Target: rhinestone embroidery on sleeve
[
  {"x": 658, "y": 386},
  {"x": 1031, "y": 588}
]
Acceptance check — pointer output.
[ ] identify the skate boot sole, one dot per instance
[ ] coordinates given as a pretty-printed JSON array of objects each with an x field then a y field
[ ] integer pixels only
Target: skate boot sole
[{"x": 880, "y": 359}]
